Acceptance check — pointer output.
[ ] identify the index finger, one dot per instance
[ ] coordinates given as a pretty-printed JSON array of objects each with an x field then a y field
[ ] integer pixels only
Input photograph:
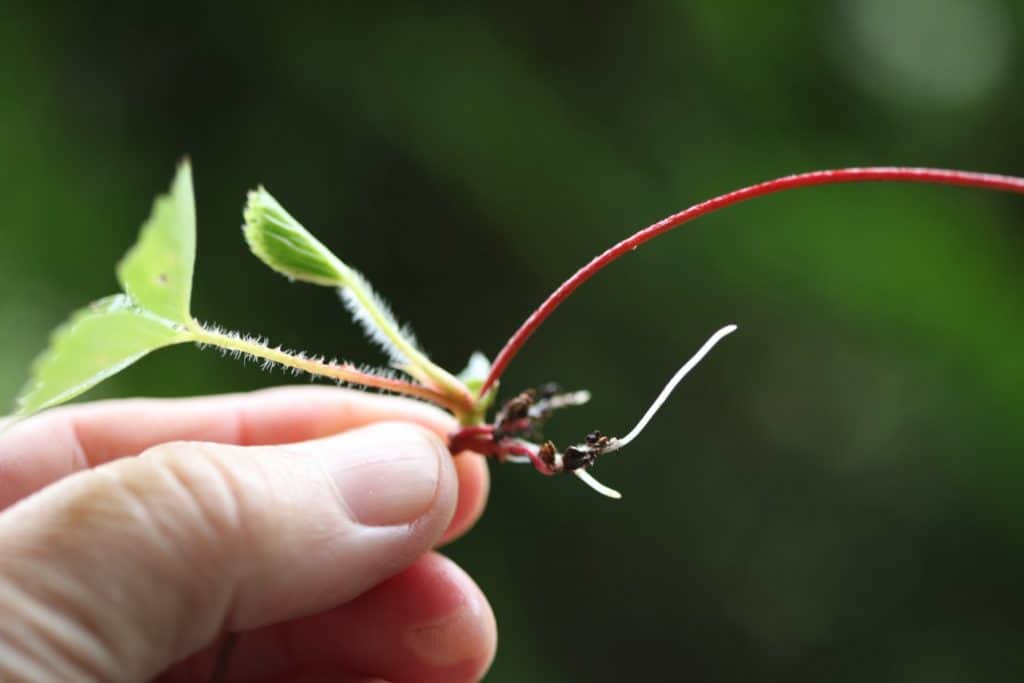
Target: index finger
[{"x": 60, "y": 442}]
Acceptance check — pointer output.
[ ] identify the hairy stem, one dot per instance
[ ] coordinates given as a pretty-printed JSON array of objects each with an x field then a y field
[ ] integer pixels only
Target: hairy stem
[
  {"x": 343, "y": 372},
  {"x": 988, "y": 181},
  {"x": 282, "y": 243},
  {"x": 381, "y": 322}
]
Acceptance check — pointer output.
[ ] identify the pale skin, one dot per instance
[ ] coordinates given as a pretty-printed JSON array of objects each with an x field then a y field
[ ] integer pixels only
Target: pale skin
[{"x": 135, "y": 534}]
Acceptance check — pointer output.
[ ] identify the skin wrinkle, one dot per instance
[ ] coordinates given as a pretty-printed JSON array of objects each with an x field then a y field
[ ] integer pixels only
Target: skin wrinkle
[
  {"x": 227, "y": 580},
  {"x": 242, "y": 427},
  {"x": 290, "y": 487},
  {"x": 49, "y": 639},
  {"x": 19, "y": 666},
  {"x": 75, "y": 629},
  {"x": 77, "y": 456},
  {"x": 158, "y": 536},
  {"x": 99, "y": 504},
  {"x": 195, "y": 471},
  {"x": 47, "y": 585},
  {"x": 177, "y": 547},
  {"x": 270, "y": 537}
]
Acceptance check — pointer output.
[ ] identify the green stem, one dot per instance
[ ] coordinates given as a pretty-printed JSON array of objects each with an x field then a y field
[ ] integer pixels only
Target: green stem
[
  {"x": 345, "y": 372},
  {"x": 421, "y": 366},
  {"x": 285, "y": 245}
]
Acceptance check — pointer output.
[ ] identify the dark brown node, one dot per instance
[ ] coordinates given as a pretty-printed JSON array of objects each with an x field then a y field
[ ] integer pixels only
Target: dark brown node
[
  {"x": 547, "y": 453},
  {"x": 518, "y": 407},
  {"x": 576, "y": 457},
  {"x": 598, "y": 441},
  {"x": 515, "y": 410}
]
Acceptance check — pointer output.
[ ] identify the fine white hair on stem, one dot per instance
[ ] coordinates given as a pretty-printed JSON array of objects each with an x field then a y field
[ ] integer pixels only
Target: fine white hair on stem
[
  {"x": 672, "y": 383},
  {"x": 374, "y": 315},
  {"x": 588, "y": 479}
]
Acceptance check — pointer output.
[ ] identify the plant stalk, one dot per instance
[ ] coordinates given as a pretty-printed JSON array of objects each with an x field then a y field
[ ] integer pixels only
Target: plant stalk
[
  {"x": 989, "y": 181},
  {"x": 343, "y": 372}
]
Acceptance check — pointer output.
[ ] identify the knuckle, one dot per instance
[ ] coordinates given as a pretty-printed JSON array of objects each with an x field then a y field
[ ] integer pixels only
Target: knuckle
[
  {"x": 149, "y": 553},
  {"x": 207, "y": 498},
  {"x": 168, "y": 519}
]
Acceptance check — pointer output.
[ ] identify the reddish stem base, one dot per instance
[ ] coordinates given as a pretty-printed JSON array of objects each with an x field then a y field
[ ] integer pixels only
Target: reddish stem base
[{"x": 480, "y": 439}]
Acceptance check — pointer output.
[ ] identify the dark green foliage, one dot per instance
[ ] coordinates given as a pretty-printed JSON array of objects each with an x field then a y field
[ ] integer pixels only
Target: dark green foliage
[{"x": 839, "y": 500}]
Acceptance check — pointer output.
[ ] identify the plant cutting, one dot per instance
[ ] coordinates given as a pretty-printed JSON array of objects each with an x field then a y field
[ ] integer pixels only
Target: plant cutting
[{"x": 153, "y": 311}]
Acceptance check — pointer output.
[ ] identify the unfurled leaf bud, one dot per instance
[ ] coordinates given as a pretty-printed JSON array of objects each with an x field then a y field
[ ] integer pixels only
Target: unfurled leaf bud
[{"x": 282, "y": 243}]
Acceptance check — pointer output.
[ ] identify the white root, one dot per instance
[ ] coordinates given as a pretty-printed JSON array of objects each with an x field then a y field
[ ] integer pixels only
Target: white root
[
  {"x": 617, "y": 444},
  {"x": 588, "y": 479}
]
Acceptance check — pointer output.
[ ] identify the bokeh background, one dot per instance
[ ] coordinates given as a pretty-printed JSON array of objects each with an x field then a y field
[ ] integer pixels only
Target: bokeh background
[{"x": 834, "y": 495}]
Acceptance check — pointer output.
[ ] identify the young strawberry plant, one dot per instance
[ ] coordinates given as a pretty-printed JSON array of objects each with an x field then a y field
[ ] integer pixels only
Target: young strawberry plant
[{"x": 154, "y": 311}]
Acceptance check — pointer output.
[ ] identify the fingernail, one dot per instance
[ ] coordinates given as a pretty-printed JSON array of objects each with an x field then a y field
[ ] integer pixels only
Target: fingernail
[{"x": 388, "y": 474}]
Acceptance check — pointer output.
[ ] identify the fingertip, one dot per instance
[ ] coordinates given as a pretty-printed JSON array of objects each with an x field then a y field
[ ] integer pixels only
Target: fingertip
[
  {"x": 448, "y": 495},
  {"x": 393, "y": 472},
  {"x": 474, "y": 487},
  {"x": 429, "y": 623},
  {"x": 457, "y": 635}
]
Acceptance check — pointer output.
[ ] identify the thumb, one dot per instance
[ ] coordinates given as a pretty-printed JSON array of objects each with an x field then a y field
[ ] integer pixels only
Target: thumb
[{"x": 117, "y": 572}]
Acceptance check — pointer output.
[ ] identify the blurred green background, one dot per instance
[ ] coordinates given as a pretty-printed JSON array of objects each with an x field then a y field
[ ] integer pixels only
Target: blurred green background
[{"x": 834, "y": 495}]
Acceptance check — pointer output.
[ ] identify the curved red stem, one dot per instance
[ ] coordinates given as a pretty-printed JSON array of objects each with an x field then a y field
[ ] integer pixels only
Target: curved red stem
[{"x": 939, "y": 176}]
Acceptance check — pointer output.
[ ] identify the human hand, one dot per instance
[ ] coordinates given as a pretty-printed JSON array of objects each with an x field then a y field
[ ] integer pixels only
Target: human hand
[{"x": 317, "y": 552}]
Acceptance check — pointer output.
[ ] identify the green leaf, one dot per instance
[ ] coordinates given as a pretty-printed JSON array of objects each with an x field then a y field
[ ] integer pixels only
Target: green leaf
[
  {"x": 282, "y": 243},
  {"x": 157, "y": 271},
  {"x": 98, "y": 341}
]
